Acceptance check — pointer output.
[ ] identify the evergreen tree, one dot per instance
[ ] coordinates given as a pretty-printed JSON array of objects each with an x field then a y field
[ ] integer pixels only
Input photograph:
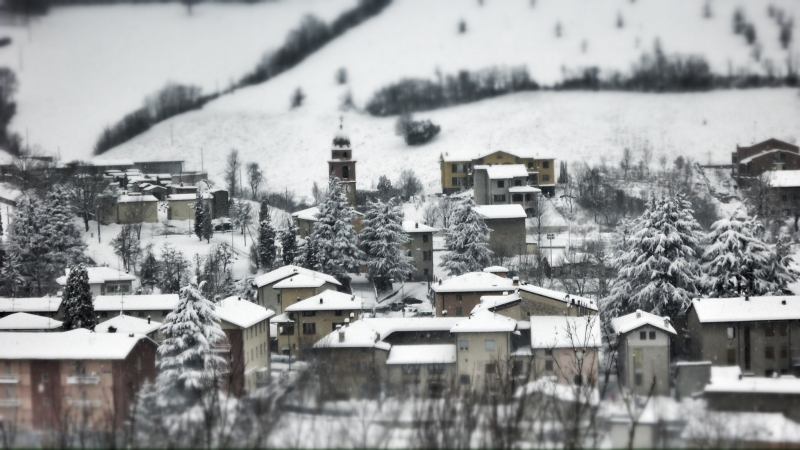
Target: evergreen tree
[
  {"x": 207, "y": 228},
  {"x": 150, "y": 269},
  {"x": 188, "y": 366},
  {"x": 779, "y": 267},
  {"x": 333, "y": 235},
  {"x": 289, "y": 243},
  {"x": 382, "y": 240},
  {"x": 467, "y": 241},
  {"x": 174, "y": 270},
  {"x": 199, "y": 217},
  {"x": 657, "y": 265},
  {"x": 77, "y": 300},
  {"x": 735, "y": 260},
  {"x": 266, "y": 238}
]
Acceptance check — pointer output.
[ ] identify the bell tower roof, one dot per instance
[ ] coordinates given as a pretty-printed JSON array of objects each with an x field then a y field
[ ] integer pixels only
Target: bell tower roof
[{"x": 341, "y": 140}]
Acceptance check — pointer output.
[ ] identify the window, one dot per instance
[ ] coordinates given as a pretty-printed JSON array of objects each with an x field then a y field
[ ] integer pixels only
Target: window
[
  {"x": 463, "y": 344},
  {"x": 516, "y": 197},
  {"x": 491, "y": 369},
  {"x": 455, "y": 168},
  {"x": 286, "y": 330},
  {"x": 652, "y": 335},
  {"x": 769, "y": 352},
  {"x": 643, "y": 335},
  {"x": 548, "y": 365},
  {"x": 338, "y": 312},
  {"x": 545, "y": 164},
  {"x": 527, "y": 197},
  {"x": 459, "y": 311},
  {"x": 459, "y": 297},
  {"x": 782, "y": 329},
  {"x": 410, "y": 369},
  {"x": 731, "y": 332},
  {"x": 769, "y": 330},
  {"x": 499, "y": 198},
  {"x": 530, "y": 164},
  {"x": 424, "y": 237},
  {"x": 784, "y": 352},
  {"x": 308, "y": 313},
  {"x": 490, "y": 345},
  {"x": 731, "y": 356},
  {"x": 427, "y": 255},
  {"x": 455, "y": 181},
  {"x": 638, "y": 378},
  {"x": 501, "y": 183},
  {"x": 545, "y": 177},
  {"x": 463, "y": 379},
  {"x": 345, "y": 173},
  {"x": 435, "y": 369},
  {"x": 517, "y": 182}
]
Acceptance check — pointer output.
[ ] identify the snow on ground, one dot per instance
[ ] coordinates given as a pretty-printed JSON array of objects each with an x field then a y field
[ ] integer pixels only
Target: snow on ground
[
  {"x": 293, "y": 147},
  {"x": 81, "y": 68}
]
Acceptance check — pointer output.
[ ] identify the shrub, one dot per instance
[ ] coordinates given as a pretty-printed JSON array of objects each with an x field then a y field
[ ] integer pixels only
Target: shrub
[{"x": 416, "y": 132}]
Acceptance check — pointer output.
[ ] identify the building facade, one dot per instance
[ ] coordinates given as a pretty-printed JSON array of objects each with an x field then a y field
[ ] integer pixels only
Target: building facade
[
  {"x": 506, "y": 228},
  {"x": 457, "y": 173},
  {"x": 420, "y": 248},
  {"x": 643, "y": 352}
]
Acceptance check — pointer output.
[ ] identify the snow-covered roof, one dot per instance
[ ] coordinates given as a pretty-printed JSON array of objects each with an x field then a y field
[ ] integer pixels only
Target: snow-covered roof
[
  {"x": 150, "y": 302},
  {"x": 290, "y": 270},
  {"x": 728, "y": 379},
  {"x": 743, "y": 427},
  {"x": 29, "y": 304},
  {"x": 73, "y": 345},
  {"x": 27, "y": 321},
  {"x": 565, "y": 331},
  {"x": 747, "y": 309},
  {"x": 190, "y": 196},
  {"x": 491, "y": 302},
  {"x": 750, "y": 158},
  {"x": 416, "y": 227},
  {"x": 309, "y": 214},
  {"x": 328, "y": 300},
  {"x": 300, "y": 281},
  {"x": 370, "y": 332},
  {"x": 136, "y": 198},
  {"x": 495, "y": 269},
  {"x": 501, "y": 211},
  {"x": 422, "y": 354},
  {"x": 109, "y": 162},
  {"x": 634, "y": 320},
  {"x": 524, "y": 190},
  {"x": 783, "y": 178},
  {"x": 124, "y": 323},
  {"x": 560, "y": 296},
  {"x": 240, "y": 312},
  {"x": 99, "y": 275},
  {"x": 484, "y": 321},
  {"x": 475, "y": 282},
  {"x": 504, "y": 171}
]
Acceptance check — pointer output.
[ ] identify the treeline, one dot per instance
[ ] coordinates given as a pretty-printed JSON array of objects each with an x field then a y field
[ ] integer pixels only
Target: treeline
[
  {"x": 171, "y": 100},
  {"x": 417, "y": 94},
  {"x": 175, "y": 99},
  {"x": 9, "y": 141}
]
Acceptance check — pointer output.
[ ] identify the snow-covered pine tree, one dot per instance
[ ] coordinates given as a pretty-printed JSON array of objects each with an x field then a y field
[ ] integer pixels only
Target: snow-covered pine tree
[
  {"x": 467, "y": 241},
  {"x": 199, "y": 217},
  {"x": 207, "y": 228},
  {"x": 382, "y": 240},
  {"x": 333, "y": 235},
  {"x": 289, "y": 243},
  {"x": 188, "y": 366},
  {"x": 266, "y": 238},
  {"x": 734, "y": 260},
  {"x": 658, "y": 266},
  {"x": 77, "y": 300},
  {"x": 779, "y": 267},
  {"x": 148, "y": 274},
  {"x": 64, "y": 236}
]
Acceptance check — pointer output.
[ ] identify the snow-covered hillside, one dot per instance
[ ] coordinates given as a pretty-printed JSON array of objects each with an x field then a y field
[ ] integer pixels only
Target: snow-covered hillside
[{"x": 81, "y": 68}]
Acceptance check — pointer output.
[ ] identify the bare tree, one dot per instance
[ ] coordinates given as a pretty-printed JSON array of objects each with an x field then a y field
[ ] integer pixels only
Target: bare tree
[
  {"x": 232, "y": 168},
  {"x": 255, "y": 177}
]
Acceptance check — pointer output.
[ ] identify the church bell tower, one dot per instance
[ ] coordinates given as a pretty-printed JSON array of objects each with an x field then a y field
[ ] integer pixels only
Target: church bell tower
[{"x": 342, "y": 165}]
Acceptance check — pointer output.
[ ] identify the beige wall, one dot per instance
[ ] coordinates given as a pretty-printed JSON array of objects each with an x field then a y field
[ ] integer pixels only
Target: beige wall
[
  {"x": 420, "y": 379},
  {"x": 324, "y": 322},
  {"x": 351, "y": 372},
  {"x": 184, "y": 209},
  {"x": 473, "y": 357},
  {"x": 507, "y": 236},
  {"x": 419, "y": 246},
  {"x": 137, "y": 212},
  {"x": 565, "y": 364},
  {"x": 256, "y": 353},
  {"x": 647, "y": 357}
]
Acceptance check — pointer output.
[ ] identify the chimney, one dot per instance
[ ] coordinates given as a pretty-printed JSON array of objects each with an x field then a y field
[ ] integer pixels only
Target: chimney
[
  {"x": 320, "y": 300},
  {"x": 505, "y": 292},
  {"x": 148, "y": 319},
  {"x": 341, "y": 335},
  {"x": 353, "y": 298},
  {"x": 747, "y": 297},
  {"x": 515, "y": 281},
  {"x": 440, "y": 281},
  {"x": 638, "y": 313},
  {"x": 346, "y": 320},
  {"x": 783, "y": 302},
  {"x": 130, "y": 334},
  {"x": 416, "y": 224}
]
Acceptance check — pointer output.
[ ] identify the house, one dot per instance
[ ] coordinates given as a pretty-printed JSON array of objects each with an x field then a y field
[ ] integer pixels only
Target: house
[
  {"x": 342, "y": 166},
  {"x": 457, "y": 296},
  {"x": 181, "y": 206},
  {"x": 136, "y": 208},
  {"x": 484, "y": 349},
  {"x": 540, "y": 301},
  {"x": 306, "y": 218},
  {"x": 505, "y": 184},
  {"x": 506, "y": 228},
  {"x": 155, "y": 190},
  {"x": 643, "y": 352},
  {"x": 123, "y": 323},
  {"x": 566, "y": 347},
  {"x": 772, "y": 154},
  {"x": 246, "y": 326},
  {"x": 220, "y": 202},
  {"x": 426, "y": 369},
  {"x": 105, "y": 281},
  {"x": 784, "y": 191},
  {"x": 457, "y": 171},
  {"x": 150, "y": 306},
  {"x": 76, "y": 376},
  {"x": 761, "y": 335},
  {"x": 420, "y": 249},
  {"x": 22, "y": 321},
  {"x": 269, "y": 296},
  {"x": 730, "y": 390},
  {"x": 312, "y": 318}
]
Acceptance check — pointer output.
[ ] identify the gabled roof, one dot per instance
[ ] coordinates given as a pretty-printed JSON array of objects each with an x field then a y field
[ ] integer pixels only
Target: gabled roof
[
  {"x": 240, "y": 312},
  {"x": 124, "y": 323},
  {"x": 99, "y": 275},
  {"x": 422, "y": 354},
  {"x": 416, "y": 227},
  {"x": 78, "y": 344},
  {"x": 328, "y": 300},
  {"x": 288, "y": 271},
  {"x": 747, "y": 309},
  {"x": 309, "y": 214},
  {"x": 729, "y": 380},
  {"x": 750, "y": 158},
  {"x": 474, "y": 282},
  {"x": 27, "y": 321},
  {"x": 485, "y": 322},
  {"x": 136, "y": 199},
  {"x": 300, "y": 281},
  {"x": 565, "y": 332},
  {"x": 629, "y": 322},
  {"x": 30, "y": 304},
  {"x": 570, "y": 299},
  {"x": 494, "y": 302},
  {"x": 510, "y": 211},
  {"x": 504, "y": 171},
  {"x": 151, "y": 302}
]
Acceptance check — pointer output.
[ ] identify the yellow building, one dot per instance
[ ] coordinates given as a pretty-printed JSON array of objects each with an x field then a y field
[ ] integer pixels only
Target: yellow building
[{"x": 457, "y": 171}]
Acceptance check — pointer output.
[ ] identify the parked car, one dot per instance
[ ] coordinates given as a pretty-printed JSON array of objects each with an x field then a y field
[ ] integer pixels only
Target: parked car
[{"x": 222, "y": 224}]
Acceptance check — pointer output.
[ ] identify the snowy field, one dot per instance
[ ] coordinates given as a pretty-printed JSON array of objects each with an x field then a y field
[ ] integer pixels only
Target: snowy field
[
  {"x": 81, "y": 68},
  {"x": 293, "y": 147}
]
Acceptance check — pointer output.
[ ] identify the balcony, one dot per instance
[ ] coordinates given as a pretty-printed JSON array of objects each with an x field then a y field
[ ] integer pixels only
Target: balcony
[
  {"x": 83, "y": 379},
  {"x": 9, "y": 379},
  {"x": 10, "y": 403}
]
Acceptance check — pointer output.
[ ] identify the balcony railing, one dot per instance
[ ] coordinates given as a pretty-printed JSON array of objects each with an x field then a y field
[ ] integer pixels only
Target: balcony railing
[
  {"x": 10, "y": 402},
  {"x": 9, "y": 379},
  {"x": 83, "y": 379}
]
